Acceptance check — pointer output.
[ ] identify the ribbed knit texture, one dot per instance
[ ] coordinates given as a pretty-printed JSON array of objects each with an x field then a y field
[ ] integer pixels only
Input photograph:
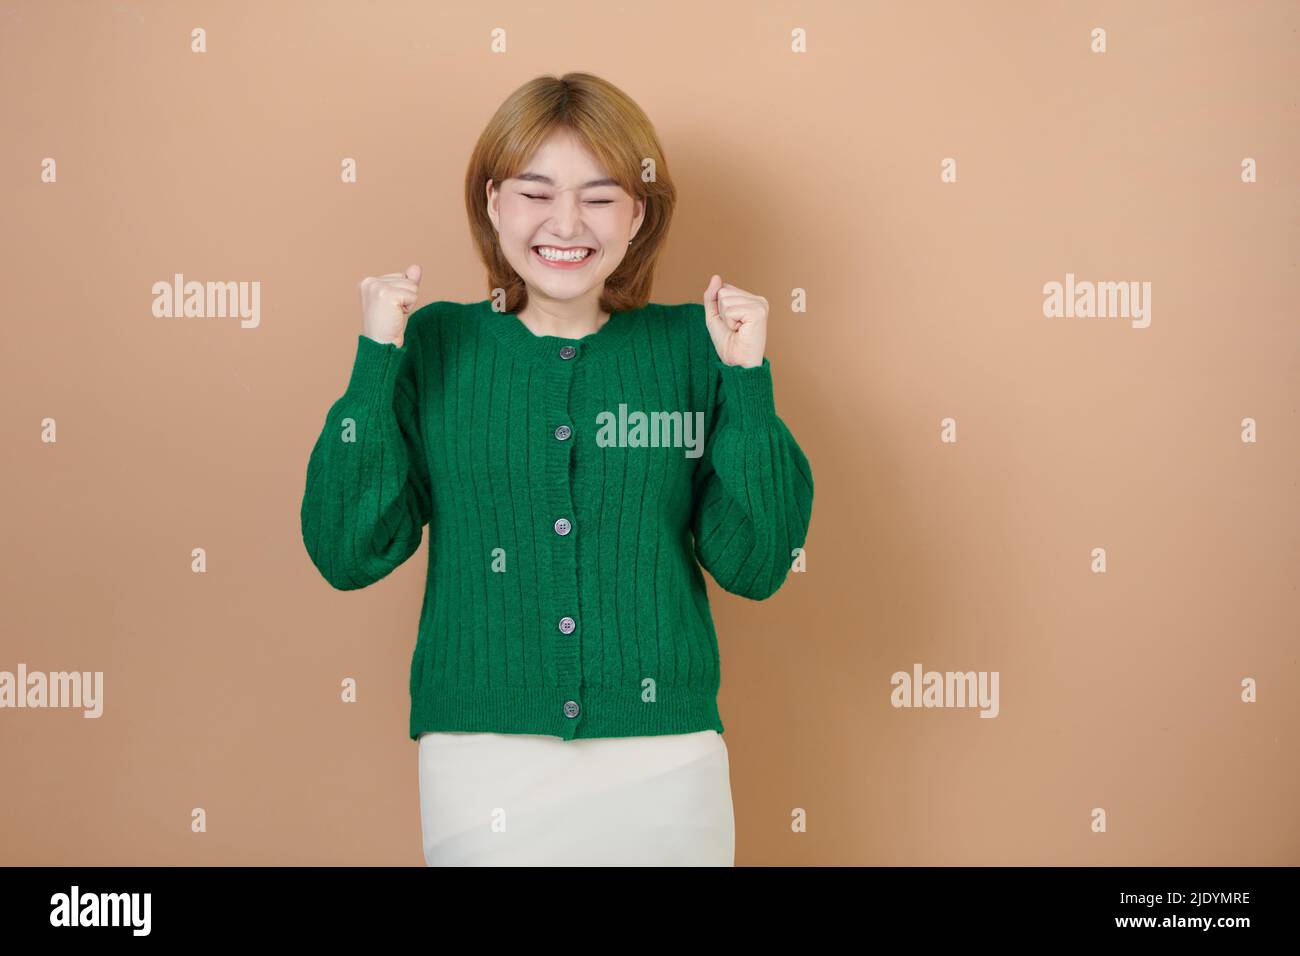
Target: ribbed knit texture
[{"x": 457, "y": 430}]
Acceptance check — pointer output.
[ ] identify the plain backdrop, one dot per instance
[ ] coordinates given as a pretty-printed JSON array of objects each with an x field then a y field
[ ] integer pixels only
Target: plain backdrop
[{"x": 816, "y": 171}]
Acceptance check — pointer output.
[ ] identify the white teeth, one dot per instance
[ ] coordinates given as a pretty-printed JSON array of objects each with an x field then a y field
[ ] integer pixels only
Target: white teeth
[{"x": 555, "y": 255}]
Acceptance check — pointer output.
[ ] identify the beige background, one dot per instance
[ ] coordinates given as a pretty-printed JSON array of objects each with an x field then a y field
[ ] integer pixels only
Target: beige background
[{"x": 817, "y": 171}]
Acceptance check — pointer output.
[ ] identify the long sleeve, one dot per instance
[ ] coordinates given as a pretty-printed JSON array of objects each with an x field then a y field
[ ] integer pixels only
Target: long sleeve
[
  {"x": 367, "y": 496},
  {"x": 754, "y": 488}
]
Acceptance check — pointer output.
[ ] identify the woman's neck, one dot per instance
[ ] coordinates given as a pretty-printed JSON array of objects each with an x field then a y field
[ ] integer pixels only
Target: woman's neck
[{"x": 571, "y": 323}]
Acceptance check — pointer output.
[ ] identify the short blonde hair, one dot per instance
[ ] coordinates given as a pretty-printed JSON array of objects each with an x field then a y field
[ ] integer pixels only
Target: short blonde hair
[{"x": 621, "y": 138}]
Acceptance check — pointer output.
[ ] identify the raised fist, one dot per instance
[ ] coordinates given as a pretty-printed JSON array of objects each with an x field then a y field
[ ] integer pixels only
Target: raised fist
[{"x": 386, "y": 304}]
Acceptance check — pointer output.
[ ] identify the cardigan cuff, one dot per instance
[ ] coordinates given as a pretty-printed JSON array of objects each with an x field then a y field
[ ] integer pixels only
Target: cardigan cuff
[
  {"x": 375, "y": 366},
  {"x": 748, "y": 392}
]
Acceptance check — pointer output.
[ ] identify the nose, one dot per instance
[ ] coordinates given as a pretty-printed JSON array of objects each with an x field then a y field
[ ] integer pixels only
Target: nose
[{"x": 566, "y": 215}]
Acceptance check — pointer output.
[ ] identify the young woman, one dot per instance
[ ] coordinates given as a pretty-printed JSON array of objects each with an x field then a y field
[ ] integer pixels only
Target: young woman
[{"x": 578, "y": 455}]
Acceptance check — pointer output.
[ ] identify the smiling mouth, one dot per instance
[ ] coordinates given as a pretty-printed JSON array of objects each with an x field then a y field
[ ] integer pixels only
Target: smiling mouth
[{"x": 563, "y": 255}]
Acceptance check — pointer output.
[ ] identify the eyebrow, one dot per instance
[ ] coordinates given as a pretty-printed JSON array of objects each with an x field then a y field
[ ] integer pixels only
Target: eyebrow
[{"x": 539, "y": 178}]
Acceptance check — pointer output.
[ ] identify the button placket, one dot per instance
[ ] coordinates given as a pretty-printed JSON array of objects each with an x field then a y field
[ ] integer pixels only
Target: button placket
[{"x": 566, "y": 618}]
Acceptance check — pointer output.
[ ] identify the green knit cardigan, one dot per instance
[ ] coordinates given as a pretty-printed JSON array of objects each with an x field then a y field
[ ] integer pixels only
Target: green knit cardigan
[{"x": 573, "y": 489}]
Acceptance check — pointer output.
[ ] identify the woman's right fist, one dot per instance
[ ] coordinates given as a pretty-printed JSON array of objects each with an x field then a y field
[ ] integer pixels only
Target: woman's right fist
[{"x": 386, "y": 303}]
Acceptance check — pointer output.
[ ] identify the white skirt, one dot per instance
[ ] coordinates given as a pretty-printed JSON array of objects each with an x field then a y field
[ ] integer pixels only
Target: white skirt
[{"x": 490, "y": 799}]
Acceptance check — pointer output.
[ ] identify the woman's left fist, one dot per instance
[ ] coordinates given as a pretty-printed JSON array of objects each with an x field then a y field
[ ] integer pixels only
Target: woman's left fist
[{"x": 737, "y": 322}]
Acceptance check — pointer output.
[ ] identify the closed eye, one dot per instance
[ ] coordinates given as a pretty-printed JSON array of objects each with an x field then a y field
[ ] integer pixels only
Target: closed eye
[{"x": 594, "y": 202}]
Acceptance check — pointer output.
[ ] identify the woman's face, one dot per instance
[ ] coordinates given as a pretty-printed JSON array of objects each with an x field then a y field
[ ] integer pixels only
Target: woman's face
[{"x": 563, "y": 203}]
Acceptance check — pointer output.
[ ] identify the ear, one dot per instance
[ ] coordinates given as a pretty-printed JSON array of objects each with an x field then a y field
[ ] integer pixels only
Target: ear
[
  {"x": 638, "y": 218},
  {"x": 492, "y": 201}
]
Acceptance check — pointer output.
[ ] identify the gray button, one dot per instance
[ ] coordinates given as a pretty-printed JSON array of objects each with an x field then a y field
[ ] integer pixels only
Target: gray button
[
  {"x": 567, "y": 624},
  {"x": 562, "y": 526},
  {"x": 563, "y": 432},
  {"x": 570, "y": 708},
  {"x": 567, "y": 351}
]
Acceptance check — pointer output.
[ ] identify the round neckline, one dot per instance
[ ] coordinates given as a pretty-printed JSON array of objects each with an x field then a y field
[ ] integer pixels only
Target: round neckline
[{"x": 511, "y": 332}]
